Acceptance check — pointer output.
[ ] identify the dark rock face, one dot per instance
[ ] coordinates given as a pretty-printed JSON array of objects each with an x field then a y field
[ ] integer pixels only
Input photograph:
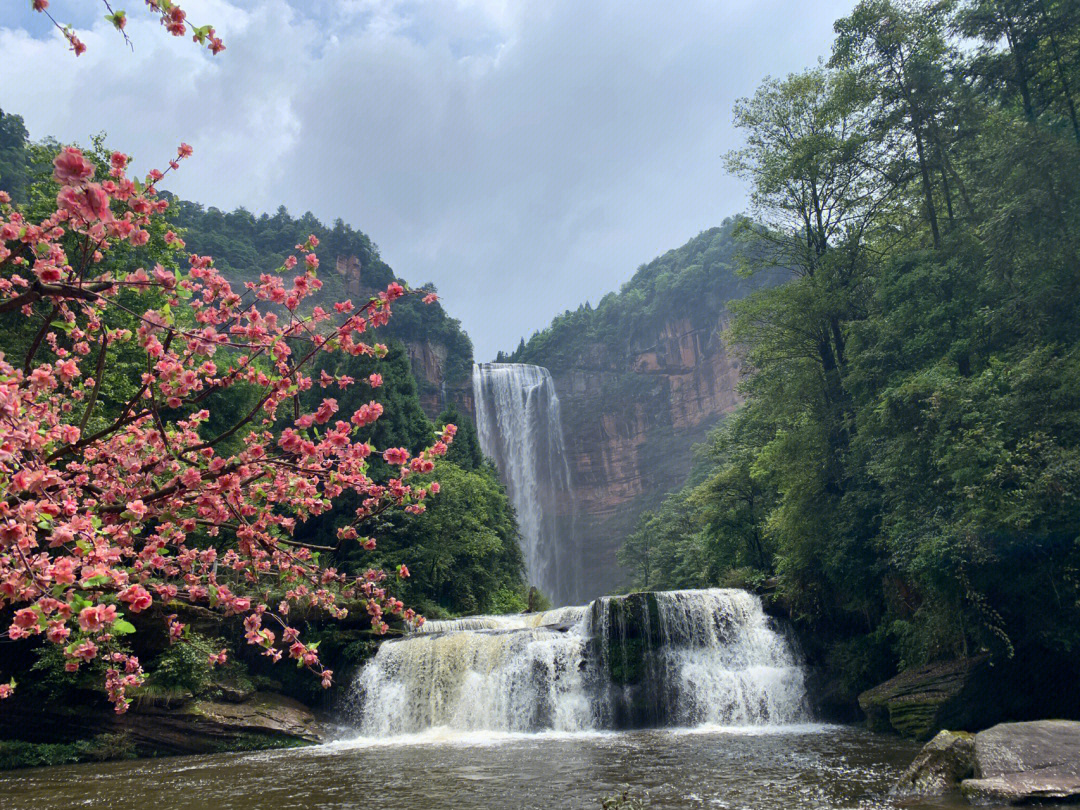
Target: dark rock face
[
  {"x": 630, "y": 640},
  {"x": 920, "y": 702},
  {"x": 153, "y": 728},
  {"x": 203, "y": 726},
  {"x": 939, "y": 768},
  {"x": 437, "y": 389},
  {"x": 1026, "y": 763}
]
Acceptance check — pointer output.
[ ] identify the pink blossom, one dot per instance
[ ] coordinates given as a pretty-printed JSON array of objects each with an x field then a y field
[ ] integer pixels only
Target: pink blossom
[
  {"x": 137, "y": 598},
  {"x": 71, "y": 168},
  {"x": 396, "y": 455}
]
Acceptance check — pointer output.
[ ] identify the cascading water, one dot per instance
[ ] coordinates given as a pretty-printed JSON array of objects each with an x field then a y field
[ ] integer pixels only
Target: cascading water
[
  {"x": 683, "y": 658},
  {"x": 517, "y": 418}
]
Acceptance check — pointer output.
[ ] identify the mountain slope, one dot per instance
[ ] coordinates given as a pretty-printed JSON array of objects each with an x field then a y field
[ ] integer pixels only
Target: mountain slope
[{"x": 642, "y": 378}]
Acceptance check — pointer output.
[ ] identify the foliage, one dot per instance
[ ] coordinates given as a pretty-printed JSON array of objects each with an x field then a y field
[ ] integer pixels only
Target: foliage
[
  {"x": 100, "y": 748},
  {"x": 907, "y": 461},
  {"x": 462, "y": 553},
  {"x": 14, "y": 168},
  {"x": 244, "y": 246},
  {"x": 116, "y": 500}
]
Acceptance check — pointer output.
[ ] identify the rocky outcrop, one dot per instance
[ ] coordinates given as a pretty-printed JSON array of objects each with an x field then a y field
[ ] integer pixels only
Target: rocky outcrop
[
  {"x": 920, "y": 702},
  {"x": 429, "y": 360},
  {"x": 1035, "y": 762},
  {"x": 630, "y": 420},
  {"x": 1026, "y": 763},
  {"x": 939, "y": 768},
  {"x": 203, "y": 726},
  {"x": 239, "y": 720}
]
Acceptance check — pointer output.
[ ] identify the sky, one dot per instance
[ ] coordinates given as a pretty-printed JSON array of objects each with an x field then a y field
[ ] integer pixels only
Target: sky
[{"x": 524, "y": 156}]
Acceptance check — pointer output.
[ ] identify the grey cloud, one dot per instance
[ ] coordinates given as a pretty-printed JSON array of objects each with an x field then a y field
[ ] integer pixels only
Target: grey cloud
[{"x": 522, "y": 156}]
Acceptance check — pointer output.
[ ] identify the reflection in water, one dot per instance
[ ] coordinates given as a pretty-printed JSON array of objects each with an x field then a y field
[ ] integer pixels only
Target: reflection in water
[{"x": 794, "y": 768}]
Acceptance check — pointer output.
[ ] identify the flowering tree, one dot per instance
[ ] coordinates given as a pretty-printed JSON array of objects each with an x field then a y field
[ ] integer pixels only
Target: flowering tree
[
  {"x": 107, "y": 511},
  {"x": 172, "y": 17}
]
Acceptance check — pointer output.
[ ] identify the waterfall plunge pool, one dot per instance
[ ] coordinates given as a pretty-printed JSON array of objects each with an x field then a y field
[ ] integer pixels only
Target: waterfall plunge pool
[
  {"x": 539, "y": 712},
  {"x": 803, "y": 767}
]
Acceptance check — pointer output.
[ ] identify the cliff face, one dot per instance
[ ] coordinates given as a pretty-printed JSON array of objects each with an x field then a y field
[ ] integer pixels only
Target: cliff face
[
  {"x": 641, "y": 379},
  {"x": 630, "y": 428},
  {"x": 438, "y": 388}
]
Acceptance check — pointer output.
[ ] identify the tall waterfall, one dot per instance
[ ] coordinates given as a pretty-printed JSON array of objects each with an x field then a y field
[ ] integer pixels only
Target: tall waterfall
[
  {"x": 683, "y": 658},
  {"x": 517, "y": 417}
]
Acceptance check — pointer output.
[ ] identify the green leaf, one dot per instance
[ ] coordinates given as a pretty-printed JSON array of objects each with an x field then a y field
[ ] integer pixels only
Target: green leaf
[{"x": 122, "y": 627}]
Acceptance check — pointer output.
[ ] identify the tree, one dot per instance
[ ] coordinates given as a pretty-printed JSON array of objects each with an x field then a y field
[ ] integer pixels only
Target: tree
[
  {"x": 98, "y": 522},
  {"x": 14, "y": 171}
]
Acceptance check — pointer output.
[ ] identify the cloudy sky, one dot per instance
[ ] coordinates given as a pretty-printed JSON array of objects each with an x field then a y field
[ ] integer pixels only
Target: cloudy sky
[{"x": 524, "y": 155}]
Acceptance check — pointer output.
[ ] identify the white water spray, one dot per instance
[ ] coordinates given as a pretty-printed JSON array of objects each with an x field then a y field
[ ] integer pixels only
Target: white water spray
[{"x": 684, "y": 658}]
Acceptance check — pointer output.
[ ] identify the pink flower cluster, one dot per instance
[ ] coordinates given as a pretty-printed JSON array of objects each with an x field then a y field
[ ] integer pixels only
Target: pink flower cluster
[
  {"x": 96, "y": 525},
  {"x": 172, "y": 17}
]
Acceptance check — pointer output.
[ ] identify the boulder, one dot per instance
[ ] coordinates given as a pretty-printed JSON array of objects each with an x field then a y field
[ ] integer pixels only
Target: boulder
[
  {"x": 203, "y": 726},
  {"x": 939, "y": 768},
  {"x": 1026, "y": 763},
  {"x": 156, "y": 727},
  {"x": 920, "y": 702}
]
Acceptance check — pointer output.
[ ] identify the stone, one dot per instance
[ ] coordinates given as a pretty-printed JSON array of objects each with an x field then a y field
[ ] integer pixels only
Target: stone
[
  {"x": 1026, "y": 763},
  {"x": 920, "y": 702},
  {"x": 231, "y": 691},
  {"x": 939, "y": 768},
  {"x": 200, "y": 726},
  {"x": 204, "y": 726},
  {"x": 1022, "y": 788}
]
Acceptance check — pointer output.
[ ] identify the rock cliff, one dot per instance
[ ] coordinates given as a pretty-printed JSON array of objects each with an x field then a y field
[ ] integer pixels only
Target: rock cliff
[
  {"x": 630, "y": 424},
  {"x": 641, "y": 379}
]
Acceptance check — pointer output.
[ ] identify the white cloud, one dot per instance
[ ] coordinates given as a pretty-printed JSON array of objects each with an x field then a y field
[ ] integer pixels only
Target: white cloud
[{"x": 524, "y": 156}]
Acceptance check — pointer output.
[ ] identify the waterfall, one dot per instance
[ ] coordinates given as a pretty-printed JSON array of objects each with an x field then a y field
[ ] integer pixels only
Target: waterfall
[
  {"x": 684, "y": 658},
  {"x": 518, "y": 421}
]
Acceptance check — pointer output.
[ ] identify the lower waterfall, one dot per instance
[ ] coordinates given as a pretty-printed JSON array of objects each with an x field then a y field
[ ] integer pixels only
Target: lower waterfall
[{"x": 681, "y": 658}]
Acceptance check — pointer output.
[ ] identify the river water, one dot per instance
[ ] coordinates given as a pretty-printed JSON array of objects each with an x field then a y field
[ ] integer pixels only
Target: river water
[{"x": 809, "y": 767}]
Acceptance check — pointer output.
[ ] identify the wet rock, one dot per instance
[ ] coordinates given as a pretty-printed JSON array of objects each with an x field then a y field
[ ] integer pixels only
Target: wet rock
[
  {"x": 154, "y": 727},
  {"x": 203, "y": 726},
  {"x": 1026, "y": 763},
  {"x": 939, "y": 768},
  {"x": 920, "y": 702},
  {"x": 231, "y": 691}
]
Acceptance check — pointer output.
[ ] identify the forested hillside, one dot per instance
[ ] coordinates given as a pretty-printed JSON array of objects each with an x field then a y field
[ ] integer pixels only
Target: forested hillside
[
  {"x": 641, "y": 378},
  {"x": 462, "y": 551},
  {"x": 905, "y": 471}
]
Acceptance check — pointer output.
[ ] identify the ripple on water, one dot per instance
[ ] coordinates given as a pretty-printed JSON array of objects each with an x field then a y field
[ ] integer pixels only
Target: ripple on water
[{"x": 806, "y": 767}]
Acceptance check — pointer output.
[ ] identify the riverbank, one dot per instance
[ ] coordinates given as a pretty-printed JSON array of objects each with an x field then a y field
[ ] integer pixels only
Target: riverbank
[{"x": 57, "y": 735}]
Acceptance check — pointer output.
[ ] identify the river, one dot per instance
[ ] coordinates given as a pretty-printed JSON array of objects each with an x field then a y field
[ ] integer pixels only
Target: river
[{"x": 811, "y": 767}]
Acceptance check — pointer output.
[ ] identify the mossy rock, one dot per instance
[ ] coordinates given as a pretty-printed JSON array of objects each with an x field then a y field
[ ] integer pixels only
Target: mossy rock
[
  {"x": 633, "y": 623},
  {"x": 920, "y": 702},
  {"x": 940, "y": 767}
]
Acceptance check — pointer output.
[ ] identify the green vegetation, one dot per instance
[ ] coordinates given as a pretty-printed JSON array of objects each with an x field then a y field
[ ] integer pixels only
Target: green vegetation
[
  {"x": 905, "y": 471},
  {"x": 693, "y": 282},
  {"x": 100, "y": 748},
  {"x": 244, "y": 246},
  {"x": 463, "y": 552}
]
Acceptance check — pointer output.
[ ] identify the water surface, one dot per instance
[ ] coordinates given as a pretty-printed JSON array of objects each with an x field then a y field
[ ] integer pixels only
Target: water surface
[{"x": 791, "y": 768}]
